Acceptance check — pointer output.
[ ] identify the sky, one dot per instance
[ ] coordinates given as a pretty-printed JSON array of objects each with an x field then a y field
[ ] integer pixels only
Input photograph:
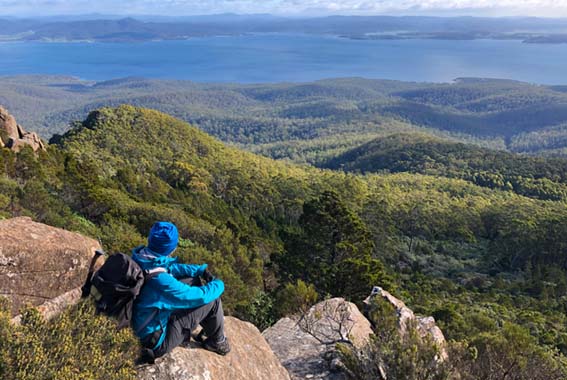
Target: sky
[{"x": 543, "y": 8}]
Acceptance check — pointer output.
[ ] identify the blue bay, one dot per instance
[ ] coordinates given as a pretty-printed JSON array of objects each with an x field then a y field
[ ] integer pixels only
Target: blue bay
[{"x": 274, "y": 58}]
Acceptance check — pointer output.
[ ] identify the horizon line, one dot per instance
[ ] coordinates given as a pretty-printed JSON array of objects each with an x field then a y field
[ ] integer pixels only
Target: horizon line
[{"x": 101, "y": 16}]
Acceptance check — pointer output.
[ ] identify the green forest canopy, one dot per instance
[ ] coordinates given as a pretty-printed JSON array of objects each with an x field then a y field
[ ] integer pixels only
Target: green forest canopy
[{"x": 535, "y": 177}]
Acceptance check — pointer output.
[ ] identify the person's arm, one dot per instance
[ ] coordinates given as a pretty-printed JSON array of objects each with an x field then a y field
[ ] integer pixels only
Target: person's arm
[
  {"x": 186, "y": 270},
  {"x": 177, "y": 295}
]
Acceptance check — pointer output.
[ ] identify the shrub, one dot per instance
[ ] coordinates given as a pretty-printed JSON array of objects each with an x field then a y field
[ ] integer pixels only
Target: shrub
[
  {"x": 76, "y": 345},
  {"x": 393, "y": 355},
  {"x": 294, "y": 298},
  {"x": 259, "y": 311}
]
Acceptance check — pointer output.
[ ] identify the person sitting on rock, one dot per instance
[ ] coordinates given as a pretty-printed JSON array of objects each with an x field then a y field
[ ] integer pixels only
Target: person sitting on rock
[{"x": 174, "y": 302}]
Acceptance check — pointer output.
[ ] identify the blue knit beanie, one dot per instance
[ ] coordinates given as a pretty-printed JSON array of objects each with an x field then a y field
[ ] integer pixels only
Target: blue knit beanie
[{"x": 163, "y": 238}]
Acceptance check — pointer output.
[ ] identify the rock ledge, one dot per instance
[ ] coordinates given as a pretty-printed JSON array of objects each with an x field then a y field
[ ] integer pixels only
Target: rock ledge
[{"x": 251, "y": 358}]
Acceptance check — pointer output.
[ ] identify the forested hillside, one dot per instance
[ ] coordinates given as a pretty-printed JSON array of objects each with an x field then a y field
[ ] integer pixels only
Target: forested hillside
[
  {"x": 310, "y": 122},
  {"x": 477, "y": 258},
  {"x": 534, "y": 177}
]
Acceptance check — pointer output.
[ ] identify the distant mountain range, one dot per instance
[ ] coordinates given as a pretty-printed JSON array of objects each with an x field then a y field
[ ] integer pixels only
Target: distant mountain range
[{"x": 104, "y": 28}]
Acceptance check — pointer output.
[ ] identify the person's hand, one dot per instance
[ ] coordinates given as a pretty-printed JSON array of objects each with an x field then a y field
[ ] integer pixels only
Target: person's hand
[{"x": 207, "y": 276}]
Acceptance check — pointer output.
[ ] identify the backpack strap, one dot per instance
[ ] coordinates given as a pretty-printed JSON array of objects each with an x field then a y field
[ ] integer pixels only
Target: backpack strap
[
  {"x": 86, "y": 288},
  {"x": 148, "y": 275}
]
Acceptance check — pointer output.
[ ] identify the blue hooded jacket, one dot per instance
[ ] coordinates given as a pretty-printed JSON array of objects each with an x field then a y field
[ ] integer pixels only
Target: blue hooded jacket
[{"x": 166, "y": 294}]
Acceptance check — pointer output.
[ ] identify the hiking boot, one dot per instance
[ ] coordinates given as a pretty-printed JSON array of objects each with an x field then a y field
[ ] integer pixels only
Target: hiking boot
[
  {"x": 146, "y": 357},
  {"x": 200, "y": 338},
  {"x": 220, "y": 347}
]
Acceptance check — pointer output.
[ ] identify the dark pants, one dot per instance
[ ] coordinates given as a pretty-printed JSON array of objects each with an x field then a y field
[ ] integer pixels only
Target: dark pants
[{"x": 181, "y": 322}]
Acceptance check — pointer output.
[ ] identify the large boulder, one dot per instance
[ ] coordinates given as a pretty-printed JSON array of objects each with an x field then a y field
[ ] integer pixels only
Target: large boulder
[
  {"x": 17, "y": 137},
  {"x": 250, "y": 358},
  {"x": 8, "y": 124},
  {"x": 39, "y": 263},
  {"x": 306, "y": 344}
]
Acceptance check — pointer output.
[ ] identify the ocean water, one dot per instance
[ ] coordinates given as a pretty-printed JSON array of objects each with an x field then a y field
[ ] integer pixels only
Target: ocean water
[{"x": 295, "y": 58}]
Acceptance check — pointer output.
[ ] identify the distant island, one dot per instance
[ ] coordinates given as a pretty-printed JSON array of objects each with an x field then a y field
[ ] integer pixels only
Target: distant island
[
  {"x": 531, "y": 38},
  {"x": 109, "y": 29}
]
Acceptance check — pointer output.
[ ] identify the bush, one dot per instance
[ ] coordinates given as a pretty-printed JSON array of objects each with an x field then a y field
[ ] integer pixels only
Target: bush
[
  {"x": 393, "y": 355},
  {"x": 259, "y": 311},
  {"x": 294, "y": 298},
  {"x": 76, "y": 345},
  {"x": 119, "y": 236}
]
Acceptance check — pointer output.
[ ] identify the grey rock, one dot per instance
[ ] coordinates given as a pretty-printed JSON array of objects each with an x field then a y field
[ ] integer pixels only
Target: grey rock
[{"x": 306, "y": 345}]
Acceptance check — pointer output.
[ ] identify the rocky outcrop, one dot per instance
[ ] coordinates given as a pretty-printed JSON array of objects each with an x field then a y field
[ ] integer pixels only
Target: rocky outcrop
[
  {"x": 250, "y": 358},
  {"x": 45, "y": 266},
  {"x": 306, "y": 345},
  {"x": 426, "y": 326},
  {"x": 39, "y": 263},
  {"x": 15, "y": 135},
  {"x": 8, "y": 123}
]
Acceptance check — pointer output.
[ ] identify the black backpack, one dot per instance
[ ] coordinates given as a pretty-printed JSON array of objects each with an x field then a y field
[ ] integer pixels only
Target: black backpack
[{"x": 116, "y": 285}]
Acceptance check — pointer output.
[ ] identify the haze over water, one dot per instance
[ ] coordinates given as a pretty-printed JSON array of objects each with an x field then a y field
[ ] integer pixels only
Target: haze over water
[{"x": 297, "y": 58}]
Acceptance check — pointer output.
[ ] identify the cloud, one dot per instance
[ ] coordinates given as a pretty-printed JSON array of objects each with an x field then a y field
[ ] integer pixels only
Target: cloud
[{"x": 187, "y": 7}]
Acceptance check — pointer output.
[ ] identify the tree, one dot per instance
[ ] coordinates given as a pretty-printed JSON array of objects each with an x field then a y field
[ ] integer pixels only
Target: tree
[{"x": 332, "y": 250}]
